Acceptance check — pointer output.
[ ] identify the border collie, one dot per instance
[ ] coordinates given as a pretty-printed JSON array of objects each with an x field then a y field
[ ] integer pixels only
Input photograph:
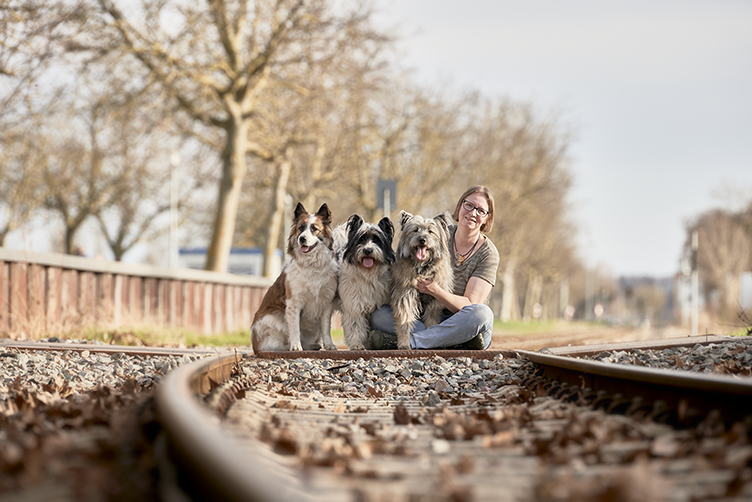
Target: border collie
[{"x": 296, "y": 312}]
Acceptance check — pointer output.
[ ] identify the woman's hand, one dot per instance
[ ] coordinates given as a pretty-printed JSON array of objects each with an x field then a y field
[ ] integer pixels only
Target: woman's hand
[
  {"x": 476, "y": 291},
  {"x": 427, "y": 286}
]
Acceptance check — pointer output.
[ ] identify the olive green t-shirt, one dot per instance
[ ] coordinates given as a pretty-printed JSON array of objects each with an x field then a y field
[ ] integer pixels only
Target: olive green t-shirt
[{"x": 483, "y": 263}]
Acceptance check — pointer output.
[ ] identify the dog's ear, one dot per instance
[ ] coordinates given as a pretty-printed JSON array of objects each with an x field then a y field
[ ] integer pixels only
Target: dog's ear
[
  {"x": 386, "y": 226},
  {"x": 299, "y": 210},
  {"x": 404, "y": 218},
  {"x": 324, "y": 214},
  {"x": 353, "y": 225},
  {"x": 444, "y": 219}
]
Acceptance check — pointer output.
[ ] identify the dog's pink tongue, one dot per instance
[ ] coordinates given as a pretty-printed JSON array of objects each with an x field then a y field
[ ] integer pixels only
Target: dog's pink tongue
[
  {"x": 420, "y": 253},
  {"x": 305, "y": 249},
  {"x": 368, "y": 262}
]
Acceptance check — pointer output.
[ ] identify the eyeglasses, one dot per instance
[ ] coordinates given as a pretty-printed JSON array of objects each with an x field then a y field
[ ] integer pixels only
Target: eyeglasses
[{"x": 469, "y": 207}]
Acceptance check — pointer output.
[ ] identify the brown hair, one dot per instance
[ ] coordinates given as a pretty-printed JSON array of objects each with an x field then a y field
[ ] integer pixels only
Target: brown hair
[{"x": 488, "y": 223}]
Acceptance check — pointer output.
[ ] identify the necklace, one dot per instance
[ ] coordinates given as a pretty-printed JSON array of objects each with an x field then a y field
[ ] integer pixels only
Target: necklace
[{"x": 459, "y": 257}]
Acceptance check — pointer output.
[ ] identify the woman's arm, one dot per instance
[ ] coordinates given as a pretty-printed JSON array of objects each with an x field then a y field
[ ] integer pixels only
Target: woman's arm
[{"x": 476, "y": 291}]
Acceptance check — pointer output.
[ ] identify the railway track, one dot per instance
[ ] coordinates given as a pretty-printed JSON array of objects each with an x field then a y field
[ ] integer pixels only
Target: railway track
[{"x": 511, "y": 425}]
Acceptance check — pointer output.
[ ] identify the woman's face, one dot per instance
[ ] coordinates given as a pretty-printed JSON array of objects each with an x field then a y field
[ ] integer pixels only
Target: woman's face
[{"x": 469, "y": 211}]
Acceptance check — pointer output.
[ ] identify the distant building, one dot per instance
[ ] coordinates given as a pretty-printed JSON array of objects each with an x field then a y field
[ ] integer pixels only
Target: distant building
[{"x": 242, "y": 261}]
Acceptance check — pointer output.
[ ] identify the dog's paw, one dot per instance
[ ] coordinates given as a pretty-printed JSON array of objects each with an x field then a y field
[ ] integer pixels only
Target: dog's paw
[
  {"x": 357, "y": 346},
  {"x": 296, "y": 346},
  {"x": 404, "y": 346},
  {"x": 330, "y": 346}
]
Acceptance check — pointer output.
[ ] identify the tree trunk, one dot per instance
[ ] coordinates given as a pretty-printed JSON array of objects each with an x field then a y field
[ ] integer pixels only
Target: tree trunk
[
  {"x": 233, "y": 171},
  {"x": 275, "y": 223},
  {"x": 532, "y": 295},
  {"x": 731, "y": 301},
  {"x": 509, "y": 295},
  {"x": 70, "y": 234}
]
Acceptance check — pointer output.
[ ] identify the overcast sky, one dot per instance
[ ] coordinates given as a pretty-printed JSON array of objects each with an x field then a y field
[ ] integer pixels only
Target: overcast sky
[{"x": 659, "y": 94}]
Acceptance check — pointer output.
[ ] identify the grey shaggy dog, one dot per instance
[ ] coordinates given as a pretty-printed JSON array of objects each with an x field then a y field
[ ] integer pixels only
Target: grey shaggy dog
[
  {"x": 364, "y": 253},
  {"x": 422, "y": 251}
]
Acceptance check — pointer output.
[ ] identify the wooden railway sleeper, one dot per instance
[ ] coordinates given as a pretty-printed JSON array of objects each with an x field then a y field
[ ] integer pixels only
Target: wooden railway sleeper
[
  {"x": 619, "y": 404},
  {"x": 221, "y": 397}
]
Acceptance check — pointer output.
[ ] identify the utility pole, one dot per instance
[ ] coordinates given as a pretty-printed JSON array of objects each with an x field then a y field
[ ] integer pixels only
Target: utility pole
[
  {"x": 386, "y": 195},
  {"x": 588, "y": 294},
  {"x": 695, "y": 283},
  {"x": 387, "y": 203}
]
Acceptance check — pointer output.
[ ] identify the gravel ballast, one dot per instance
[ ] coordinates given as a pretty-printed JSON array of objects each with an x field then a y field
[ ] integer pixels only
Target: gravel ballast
[
  {"x": 733, "y": 357},
  {"x": 80, "y": 425}
]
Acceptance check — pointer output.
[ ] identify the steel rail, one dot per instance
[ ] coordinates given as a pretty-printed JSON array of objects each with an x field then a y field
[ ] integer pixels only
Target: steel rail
[
  {"x": 692, "y": 392},
  {"x": 371, "y": 354},
  {"x": 656, "y": 344},
  {"x": 211, "y": 465},
  {"x": 108, "y": 349}
]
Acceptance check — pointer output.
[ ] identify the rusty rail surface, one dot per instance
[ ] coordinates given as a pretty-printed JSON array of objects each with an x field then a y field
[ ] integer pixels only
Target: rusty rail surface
[
  {"x": 693, "y": 393},
  {"x": 659, "y": 344},
  {"x": 371, "y": 354},
  {"x": 110, "y": 349},
  {"x": 210, "y": 465}
]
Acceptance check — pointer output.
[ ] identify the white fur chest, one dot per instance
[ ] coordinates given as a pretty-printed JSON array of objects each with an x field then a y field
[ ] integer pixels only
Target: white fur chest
[{"x": 312, "y": 284}]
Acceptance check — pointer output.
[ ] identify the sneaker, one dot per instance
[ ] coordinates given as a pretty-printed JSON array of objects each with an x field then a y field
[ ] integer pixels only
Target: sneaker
[
  {"x": 378, "y": 340},
  {"x": 475, "y": 343}
]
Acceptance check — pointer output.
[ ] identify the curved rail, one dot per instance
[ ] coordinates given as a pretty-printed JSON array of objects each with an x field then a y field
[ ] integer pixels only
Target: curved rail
[
  {"x": 210, "y": 464},
  {"x": 693, "y": 392}
]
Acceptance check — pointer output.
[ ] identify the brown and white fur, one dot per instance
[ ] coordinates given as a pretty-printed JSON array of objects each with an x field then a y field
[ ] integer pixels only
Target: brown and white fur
[
  {"x": 422, "y": 251},
  {"x": 365, "y": 255},
  {"x": 296, "y": 312}
]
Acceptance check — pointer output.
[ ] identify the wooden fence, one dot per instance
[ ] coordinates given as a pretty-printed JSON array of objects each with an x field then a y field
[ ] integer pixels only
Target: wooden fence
[{"x": 43, "y": 294}]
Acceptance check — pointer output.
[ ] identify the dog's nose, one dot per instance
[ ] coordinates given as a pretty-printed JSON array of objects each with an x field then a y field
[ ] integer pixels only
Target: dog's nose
[
  {"x": 422, "y": 241},
  {"x": 367, "y": 252}
]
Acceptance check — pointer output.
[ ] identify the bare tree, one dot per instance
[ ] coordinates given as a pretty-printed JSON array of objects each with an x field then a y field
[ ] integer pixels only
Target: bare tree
[
  {"x": 140, "y": 144},
  {"x": 218, "y": 59},
  {"x": 303, "y": 133},
  {"x": 417, "y": 137},
  {"x": 29, "y": 35},
  {"x": 20, "y": 190},
  {"x": 523, "y": 159},
  {"x": 725, "y": 251},
  {"x": 79, "y": 180}
]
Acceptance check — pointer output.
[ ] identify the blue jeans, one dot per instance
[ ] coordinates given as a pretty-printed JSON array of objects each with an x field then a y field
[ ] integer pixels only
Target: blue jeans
[{"x": 454, "y": 329}]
